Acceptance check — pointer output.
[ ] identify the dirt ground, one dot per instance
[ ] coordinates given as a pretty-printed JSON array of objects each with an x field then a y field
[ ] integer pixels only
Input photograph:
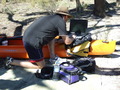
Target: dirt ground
[{"x": 16, "y": 17}]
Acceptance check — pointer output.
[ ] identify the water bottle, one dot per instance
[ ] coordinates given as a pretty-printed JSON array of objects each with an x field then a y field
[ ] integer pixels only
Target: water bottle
[
  {"x": 60, "y": 60},
  {"x": 56, "y": 72}
]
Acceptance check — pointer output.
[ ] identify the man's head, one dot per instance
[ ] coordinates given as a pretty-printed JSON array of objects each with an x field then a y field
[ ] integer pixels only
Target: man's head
[{"x": 64, "y": 12}]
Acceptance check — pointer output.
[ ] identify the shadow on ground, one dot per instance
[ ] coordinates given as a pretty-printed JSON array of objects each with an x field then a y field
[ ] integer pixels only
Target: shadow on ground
[{"x": 19, "y": 78}]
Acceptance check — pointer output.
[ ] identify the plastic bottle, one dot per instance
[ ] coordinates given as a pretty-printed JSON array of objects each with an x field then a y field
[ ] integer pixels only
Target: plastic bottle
[
  {"x": 56, "y": 72},
  {"x": 60, "y": 60}
]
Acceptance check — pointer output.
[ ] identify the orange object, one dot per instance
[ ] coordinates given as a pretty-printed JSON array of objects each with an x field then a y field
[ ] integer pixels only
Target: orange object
[
  {"x": 59, "y": 50},
  {"x": 102, "y": 47},
  {"x": 16, "y": 49}
]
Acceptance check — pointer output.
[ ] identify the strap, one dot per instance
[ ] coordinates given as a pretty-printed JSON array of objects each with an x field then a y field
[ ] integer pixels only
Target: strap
[
  {"x": 15, "y": 38},
  {"x": 77, "y": 62},
  {"x": 65, "y": 63}
]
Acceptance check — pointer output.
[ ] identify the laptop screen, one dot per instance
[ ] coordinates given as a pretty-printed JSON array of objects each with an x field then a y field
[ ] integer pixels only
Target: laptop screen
[{"x": 78, "y": 26}]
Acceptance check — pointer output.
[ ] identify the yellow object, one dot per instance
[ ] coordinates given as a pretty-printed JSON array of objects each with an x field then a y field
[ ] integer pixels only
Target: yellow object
[
  {"x": 57, "y": 37},
  {"x": 102, "y": 47},
  {"x": 95, "y": 47},
  {"x": 80, "y": 50}
]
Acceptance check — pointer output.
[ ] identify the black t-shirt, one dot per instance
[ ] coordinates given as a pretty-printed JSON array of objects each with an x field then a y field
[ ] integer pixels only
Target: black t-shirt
[{"x": 44, "y": 29}]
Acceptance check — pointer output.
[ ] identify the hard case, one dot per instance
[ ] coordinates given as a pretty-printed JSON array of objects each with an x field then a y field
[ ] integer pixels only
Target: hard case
[
  {"x": 66, "y": 77},
  {"x": 69, "y": 73}
]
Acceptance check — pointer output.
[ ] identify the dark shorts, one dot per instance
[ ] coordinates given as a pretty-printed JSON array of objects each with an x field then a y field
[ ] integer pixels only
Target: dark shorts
[{"x": 34, "y": 54}]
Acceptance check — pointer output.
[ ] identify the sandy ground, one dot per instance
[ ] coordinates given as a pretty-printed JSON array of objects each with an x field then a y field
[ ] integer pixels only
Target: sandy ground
[{"x": 106, "y": 77}]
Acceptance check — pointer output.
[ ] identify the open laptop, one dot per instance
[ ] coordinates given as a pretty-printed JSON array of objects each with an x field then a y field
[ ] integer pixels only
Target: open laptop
[{"x": 78, "y": 26}]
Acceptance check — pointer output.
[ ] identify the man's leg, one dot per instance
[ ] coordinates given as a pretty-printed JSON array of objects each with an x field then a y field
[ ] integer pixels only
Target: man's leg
[
  {"x": 28, "y": 64},
  {"x": 52, "y": 49},
  {"x": 36, "y": 58}
]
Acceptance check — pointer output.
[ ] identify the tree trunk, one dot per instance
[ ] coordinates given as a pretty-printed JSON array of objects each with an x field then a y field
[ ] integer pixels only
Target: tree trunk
[
  {"x": 99, "y": 8},
  {"x": 78, "y": 6},
  {"x": 117, "y": 3}
]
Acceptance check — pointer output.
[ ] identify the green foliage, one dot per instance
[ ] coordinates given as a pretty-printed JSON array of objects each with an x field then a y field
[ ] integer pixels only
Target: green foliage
[
  {"x": 3, "y": 2},
  {"x": 32, "y": 2},
  {"x": 49, "y": 5}
]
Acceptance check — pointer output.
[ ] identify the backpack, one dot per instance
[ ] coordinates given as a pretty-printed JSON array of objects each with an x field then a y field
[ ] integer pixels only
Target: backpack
[{"x": 86, "y": 64}]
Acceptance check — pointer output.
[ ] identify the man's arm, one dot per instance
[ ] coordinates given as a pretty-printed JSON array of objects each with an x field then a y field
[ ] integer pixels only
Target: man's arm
[{"x": 67, "y": 39}]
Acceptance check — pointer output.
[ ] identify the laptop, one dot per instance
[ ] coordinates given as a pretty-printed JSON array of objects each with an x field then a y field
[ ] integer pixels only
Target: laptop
[{"x": 78, "y": 26}]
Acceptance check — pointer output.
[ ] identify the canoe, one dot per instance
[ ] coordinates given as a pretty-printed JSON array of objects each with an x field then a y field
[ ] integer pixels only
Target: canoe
[{"x": 15, "y": 48}]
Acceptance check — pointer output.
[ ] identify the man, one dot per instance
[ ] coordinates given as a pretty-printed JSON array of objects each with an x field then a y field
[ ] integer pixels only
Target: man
[{"x": 42, "y": 32}]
